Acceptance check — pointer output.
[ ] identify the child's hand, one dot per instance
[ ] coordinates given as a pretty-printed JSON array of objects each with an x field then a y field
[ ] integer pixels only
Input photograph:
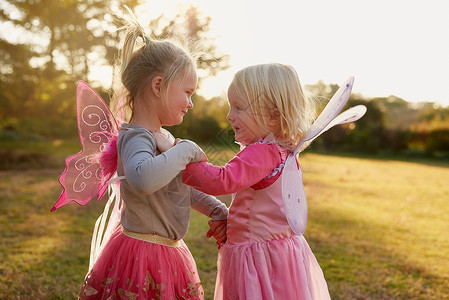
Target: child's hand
[
  {"x": 203, "y": 156},
  {"x": 164, "y": 140},
  {"x": 218, "y": 229}
]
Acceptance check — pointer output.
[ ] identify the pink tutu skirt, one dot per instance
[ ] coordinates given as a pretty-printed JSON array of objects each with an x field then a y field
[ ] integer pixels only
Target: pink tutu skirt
[
  {"x": 131, "y": 268},
  {"x": 276, "y": 269}
]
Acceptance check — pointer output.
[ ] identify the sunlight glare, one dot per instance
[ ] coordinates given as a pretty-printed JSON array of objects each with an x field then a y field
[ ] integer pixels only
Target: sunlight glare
[{"x": 391, "y": 47}]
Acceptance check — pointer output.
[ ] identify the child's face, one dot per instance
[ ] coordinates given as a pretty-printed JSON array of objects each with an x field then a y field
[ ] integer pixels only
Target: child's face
[
  {"x": 179, "y": 99},
  {"x": 246, "y": 129}
]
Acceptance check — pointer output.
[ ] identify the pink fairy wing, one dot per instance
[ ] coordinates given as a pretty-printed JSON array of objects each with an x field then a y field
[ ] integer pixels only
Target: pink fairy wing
[{"x": 83, "y": 178}]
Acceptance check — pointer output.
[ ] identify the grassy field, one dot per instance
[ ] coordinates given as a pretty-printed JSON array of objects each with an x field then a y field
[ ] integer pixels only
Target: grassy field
[{"x": 378, "y": 228}]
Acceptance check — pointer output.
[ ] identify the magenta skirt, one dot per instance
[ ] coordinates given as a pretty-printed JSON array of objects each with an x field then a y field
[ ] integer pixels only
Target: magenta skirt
[{"x": 133, "y": 268}]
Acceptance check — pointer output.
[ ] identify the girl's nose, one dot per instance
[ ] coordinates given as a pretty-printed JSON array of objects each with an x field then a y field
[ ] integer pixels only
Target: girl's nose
[
  {"x": 190, "y": 104},
  {"x": 229, "y": 117}
]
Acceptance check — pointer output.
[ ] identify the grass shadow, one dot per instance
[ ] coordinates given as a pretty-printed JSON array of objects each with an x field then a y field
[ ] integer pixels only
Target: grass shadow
[
  {"x": 378, "y": 229},
  {"x": 44, "y": 255}
]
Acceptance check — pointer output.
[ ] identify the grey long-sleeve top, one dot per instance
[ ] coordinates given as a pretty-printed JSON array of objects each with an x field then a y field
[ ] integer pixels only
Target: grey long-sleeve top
[{"x": 155, "y": 199}]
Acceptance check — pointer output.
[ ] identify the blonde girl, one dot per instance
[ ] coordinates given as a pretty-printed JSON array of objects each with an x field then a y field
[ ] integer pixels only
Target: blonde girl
[
  {"x": 146, "y": 258},
  {"x": 262, "y": 258}
]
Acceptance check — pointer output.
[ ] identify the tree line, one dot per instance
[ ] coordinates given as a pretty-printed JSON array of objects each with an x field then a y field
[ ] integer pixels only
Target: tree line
[{"x": 391, "y": 125}]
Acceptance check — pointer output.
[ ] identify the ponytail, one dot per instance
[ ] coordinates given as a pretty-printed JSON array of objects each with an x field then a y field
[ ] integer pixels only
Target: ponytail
[
  {"x": 133, "y": 31},
  {"x": 133, "y": 72}
]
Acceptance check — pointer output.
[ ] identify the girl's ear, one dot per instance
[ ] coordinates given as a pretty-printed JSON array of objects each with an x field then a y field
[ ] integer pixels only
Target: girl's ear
[
  {"x": 274, "y": 117},
  {"x": 156, "y": 84}
]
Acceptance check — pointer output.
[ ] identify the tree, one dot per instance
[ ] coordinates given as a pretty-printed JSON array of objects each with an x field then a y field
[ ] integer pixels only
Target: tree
[
  {"x": 193, "y": 24},
  {"x": 64, "y": 39},
  {"x": 46, "y": 50}
]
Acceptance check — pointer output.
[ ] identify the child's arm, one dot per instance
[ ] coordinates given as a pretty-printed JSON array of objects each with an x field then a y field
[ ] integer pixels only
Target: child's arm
[
  {"x": 216, "y": 210},
  {"x": 147, "y": 172},
  {"x": 208, "y": 205},
  {"x": 251, "y": 165}
]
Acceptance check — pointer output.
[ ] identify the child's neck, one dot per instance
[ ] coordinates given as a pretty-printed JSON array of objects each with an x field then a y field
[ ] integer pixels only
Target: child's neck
[
  {"x": 150, "y": 124},
  {"x": 146, "y": 115}
]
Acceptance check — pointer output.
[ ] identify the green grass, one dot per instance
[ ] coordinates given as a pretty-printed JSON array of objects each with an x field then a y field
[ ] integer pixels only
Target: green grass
[
  {"x": 27, "y": 154},
  {"x": 379, "y": 229},
  {"x": 43, "y": 255}
]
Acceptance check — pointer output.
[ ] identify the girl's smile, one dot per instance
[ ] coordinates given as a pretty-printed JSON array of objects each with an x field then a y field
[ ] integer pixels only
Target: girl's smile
[
  {"x": 179, "y": 99},
  {"x": 246, "y": 129}
]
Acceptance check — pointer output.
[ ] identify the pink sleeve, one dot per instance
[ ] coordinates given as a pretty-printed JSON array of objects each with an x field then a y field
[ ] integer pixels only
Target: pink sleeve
[{"x": 248, "y": 167}]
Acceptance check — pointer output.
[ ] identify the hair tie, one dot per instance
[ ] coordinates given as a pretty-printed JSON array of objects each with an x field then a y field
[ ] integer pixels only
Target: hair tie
[{"x": 146, "y": 39}]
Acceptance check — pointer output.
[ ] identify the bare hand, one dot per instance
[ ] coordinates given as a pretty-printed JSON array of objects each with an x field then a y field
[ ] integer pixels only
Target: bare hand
[
  {"x": 164, "y": 140},
  {"x": 218, "y": 229}
]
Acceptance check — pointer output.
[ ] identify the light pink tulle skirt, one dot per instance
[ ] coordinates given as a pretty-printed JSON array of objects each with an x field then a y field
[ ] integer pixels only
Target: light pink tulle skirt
[
  {"x": 277, "y": 269},
  {"x": 130, "y": 268}
]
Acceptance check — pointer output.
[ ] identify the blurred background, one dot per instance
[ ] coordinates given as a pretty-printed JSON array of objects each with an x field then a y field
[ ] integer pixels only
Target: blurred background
[
  {"x": 396, "y": 51},
  {"x": 379, "y": 181}
]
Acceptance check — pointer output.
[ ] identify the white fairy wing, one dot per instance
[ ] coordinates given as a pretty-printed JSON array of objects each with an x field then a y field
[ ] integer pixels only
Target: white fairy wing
[
  {"x": 293, "y": 193},
  {"x": 294, "y": 196},
  {"x": 350, "y": 115},
  {"x": 335, "y": 105},
  {"x": 106, "y": 223}
]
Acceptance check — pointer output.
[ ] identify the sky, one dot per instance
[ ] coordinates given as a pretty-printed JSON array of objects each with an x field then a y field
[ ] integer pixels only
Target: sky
[{"x": 391, "y": 47}]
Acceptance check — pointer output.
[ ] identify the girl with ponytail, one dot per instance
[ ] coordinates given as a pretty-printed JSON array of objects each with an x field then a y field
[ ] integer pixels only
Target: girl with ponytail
[{"x": 145, "y": 257}]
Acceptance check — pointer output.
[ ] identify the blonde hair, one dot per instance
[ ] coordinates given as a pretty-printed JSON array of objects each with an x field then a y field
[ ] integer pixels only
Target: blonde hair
[
  {"x": 275, "y": 86},
  {"x": 169, "y": 58}
]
